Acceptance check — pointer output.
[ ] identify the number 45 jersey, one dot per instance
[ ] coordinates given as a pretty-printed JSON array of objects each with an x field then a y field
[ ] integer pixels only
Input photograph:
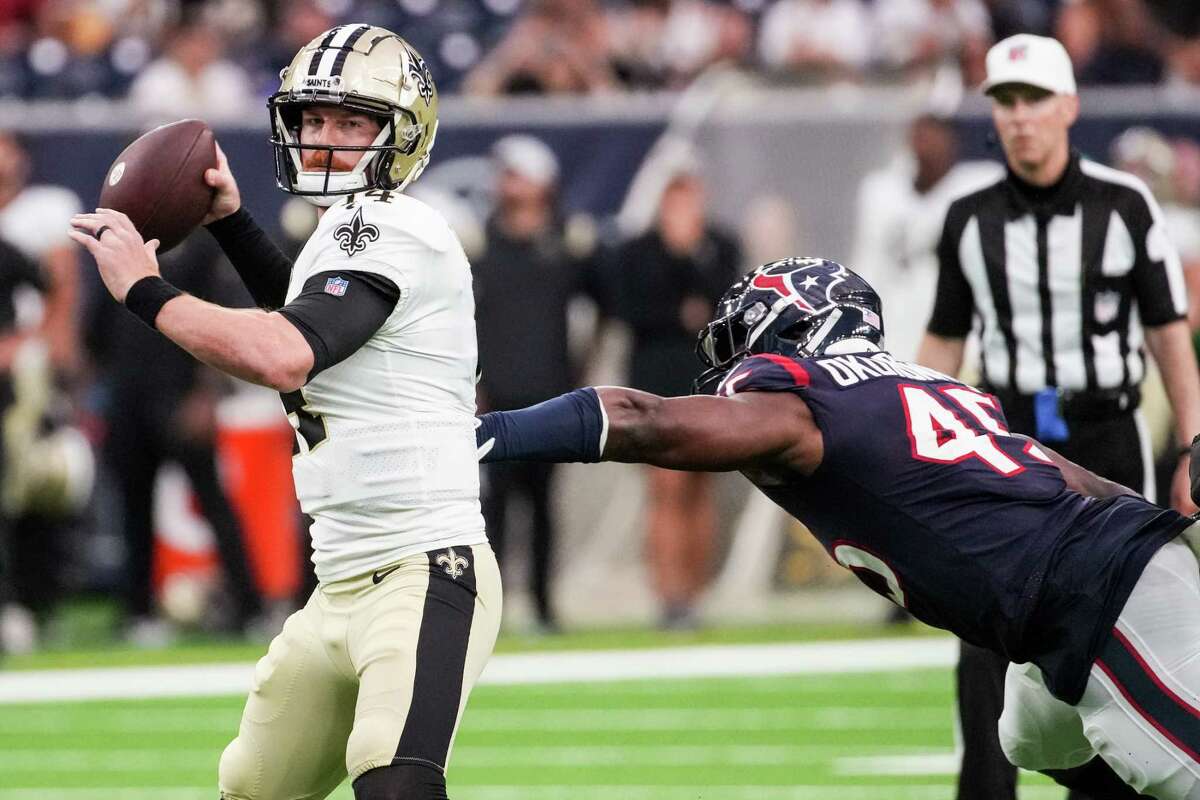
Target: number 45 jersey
[
  {"x": 927, "y": 498},
  {"x": 385, "y": 461}
]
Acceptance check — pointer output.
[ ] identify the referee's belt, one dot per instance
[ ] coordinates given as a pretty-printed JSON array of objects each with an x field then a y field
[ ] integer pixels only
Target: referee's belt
[{"x": 1082, "y": 405}]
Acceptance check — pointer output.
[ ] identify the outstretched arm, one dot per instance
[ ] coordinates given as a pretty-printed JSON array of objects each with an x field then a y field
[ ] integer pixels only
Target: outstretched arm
[
  {"x": 750, "y": 430},
  {"x": 755, "y": 430}
]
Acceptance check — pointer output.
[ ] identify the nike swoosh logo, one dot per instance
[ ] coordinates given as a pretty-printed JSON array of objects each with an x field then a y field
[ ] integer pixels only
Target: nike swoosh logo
[{"x": 379, "y": 576}]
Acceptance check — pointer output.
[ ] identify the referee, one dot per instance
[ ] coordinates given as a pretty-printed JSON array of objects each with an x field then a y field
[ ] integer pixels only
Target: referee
[{"x": 1067, "y": 266}]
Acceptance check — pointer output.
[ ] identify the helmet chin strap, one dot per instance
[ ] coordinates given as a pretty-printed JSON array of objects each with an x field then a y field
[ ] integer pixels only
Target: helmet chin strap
[{"x": 338, "y": 181}]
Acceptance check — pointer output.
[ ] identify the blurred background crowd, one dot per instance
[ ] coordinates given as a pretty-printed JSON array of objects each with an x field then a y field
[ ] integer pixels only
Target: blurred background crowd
[
  {"x": 220, "y": 57},
  {"x": 600, "y": 240}
]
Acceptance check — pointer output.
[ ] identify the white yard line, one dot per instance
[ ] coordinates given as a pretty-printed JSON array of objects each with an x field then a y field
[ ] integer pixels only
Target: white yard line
[{"x": 713, "y": 661}]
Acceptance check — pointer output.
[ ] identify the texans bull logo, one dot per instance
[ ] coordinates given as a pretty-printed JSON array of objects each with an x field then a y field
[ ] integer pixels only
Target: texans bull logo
[{"x": 804, "y": 282}]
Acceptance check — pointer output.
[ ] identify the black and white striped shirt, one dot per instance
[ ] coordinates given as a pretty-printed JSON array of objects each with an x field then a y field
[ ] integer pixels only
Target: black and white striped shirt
[{"x": 1061, "y": 278}]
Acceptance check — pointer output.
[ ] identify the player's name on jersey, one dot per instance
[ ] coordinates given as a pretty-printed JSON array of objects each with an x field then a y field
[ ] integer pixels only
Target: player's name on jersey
[{"x": 848, "y": 370}]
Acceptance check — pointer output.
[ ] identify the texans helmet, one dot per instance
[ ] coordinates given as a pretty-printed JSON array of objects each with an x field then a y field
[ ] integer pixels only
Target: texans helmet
[
  {"x": 367, "y": 69},
  {"x": 796, "y": 307}
]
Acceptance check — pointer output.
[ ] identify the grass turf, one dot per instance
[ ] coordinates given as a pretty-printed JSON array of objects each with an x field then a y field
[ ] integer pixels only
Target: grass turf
[{"x": 875, "y": 736}]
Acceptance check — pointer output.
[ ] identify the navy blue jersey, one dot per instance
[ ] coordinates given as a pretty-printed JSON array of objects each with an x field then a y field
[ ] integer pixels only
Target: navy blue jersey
[{"x": 927, "y": 498}]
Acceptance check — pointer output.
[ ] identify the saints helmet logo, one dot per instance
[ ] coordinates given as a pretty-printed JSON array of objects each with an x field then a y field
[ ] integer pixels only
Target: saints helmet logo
[
  {"x": 422, "y": 77},
  {"x": 353, "y": 236},
  {"x": 452, "y": 563}
]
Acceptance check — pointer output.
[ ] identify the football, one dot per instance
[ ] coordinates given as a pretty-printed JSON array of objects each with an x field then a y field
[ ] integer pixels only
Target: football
[{"x": 158, "y": 181}]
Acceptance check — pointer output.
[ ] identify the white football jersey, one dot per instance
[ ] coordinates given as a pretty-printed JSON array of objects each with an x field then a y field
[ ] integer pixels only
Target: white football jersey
[{"x": 386, "y": 463}]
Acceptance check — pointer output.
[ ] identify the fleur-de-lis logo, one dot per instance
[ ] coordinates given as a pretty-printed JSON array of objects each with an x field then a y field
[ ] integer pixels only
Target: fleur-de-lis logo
[
  {"x": 421, "y": 75},
  {"x": 452, "y": 563},
  {"x": 354, "y": 235}
]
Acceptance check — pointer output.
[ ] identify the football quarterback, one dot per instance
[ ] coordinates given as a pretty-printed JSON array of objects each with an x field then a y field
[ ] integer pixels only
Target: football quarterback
[{"x": 370, "y": 339}]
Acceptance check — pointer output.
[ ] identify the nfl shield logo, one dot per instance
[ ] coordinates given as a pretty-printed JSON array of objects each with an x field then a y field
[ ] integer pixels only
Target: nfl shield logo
[{"x": 336, "y": 286}]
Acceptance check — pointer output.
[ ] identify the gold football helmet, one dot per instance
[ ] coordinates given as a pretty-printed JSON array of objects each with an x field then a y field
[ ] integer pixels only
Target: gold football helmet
[{"x": 367, "y": 69}]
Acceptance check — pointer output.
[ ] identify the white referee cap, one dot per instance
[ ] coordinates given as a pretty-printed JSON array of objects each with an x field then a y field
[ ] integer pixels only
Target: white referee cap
[{"x": 1034, "y": 60}]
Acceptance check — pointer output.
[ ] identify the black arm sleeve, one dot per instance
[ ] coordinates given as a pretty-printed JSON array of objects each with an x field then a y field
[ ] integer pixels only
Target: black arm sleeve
[
  {"x": 336, "y": 325},
  {"x": 954, "y": 302},
  {"x": 262, "y": 266}
]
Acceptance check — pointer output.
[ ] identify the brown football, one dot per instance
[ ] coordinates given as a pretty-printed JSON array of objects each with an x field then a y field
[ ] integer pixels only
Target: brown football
[{"x": 158, "y": 181}]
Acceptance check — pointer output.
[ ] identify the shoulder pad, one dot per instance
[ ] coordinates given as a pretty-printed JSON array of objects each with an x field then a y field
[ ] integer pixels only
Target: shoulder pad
[{"x": 764, "y": 373}]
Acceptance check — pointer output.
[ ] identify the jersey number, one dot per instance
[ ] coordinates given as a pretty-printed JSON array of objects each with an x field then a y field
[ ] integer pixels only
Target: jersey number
[
  {"x": 937, "y": 432},
  {"x": 310, "y": 427},
  {"x": 382, "y": 195}
]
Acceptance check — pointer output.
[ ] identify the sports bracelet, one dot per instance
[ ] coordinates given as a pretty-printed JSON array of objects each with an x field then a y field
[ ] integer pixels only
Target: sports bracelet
[{"x": 147, "y": 297}]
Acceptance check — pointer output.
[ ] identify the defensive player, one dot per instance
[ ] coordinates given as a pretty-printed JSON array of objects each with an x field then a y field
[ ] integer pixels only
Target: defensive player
[
  {"x": 911, "y": 480},
  {"x": 370, "y": 338}
]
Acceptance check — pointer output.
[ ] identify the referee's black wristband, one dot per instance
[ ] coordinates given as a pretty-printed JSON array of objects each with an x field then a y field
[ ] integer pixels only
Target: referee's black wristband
[{"x": 147, "y": 297}]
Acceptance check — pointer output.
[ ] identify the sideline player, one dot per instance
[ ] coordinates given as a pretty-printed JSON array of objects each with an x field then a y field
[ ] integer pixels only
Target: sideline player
[
  {"x": 370, "y": 338},
  {"x": 911, "y": 480}
]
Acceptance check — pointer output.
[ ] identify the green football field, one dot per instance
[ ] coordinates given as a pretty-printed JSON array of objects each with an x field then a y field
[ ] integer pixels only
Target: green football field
[{"x": 885, "y": 735}]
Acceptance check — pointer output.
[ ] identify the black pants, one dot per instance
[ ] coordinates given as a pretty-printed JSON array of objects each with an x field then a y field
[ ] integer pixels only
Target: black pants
[
  {"x": 533, "y": 481},
  {"x": 135, "y": 453},
  {"x": 1112, "y": 449},
  {"x": 32, "y": 553}
]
